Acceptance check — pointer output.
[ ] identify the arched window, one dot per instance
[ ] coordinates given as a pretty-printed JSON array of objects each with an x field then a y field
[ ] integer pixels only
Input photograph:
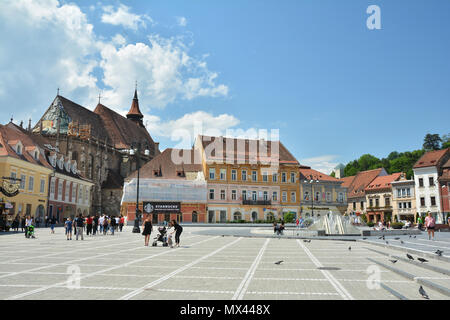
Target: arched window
[
  {"x": 194, "y": 216},
  {"x": 237, "y": 216},
  {"x": 270, "y": 216},
  {"x": 254, "y": 216}
]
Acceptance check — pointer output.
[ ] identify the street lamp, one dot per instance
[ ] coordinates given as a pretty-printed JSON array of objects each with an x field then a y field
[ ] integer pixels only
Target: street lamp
[
  {"x": 311, "y": 181},
  {"x": 136, "y": 151}
]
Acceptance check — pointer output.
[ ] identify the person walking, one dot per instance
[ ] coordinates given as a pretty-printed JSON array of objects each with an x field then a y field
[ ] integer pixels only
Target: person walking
[
  {"x": 147, "y": 226},
  {"x": 79, "y": 222},
  {"x": 22, "y": 223},
  {"x": 430, "y": 224},
  {"x": 52, "y": 224},
  {"x": 105, "y": 225},
  {"x": 121, "y": 223},
  {"x": 113, "y": 225},
  {"x": 94, "y": 225},
  {"x": 101, "y": 221},
  {"x": 15, "y": 224},
  {"x": 89, "y": 225},
  {"x": 68, "y": 225},
  {"x": 178, "y": 231}
]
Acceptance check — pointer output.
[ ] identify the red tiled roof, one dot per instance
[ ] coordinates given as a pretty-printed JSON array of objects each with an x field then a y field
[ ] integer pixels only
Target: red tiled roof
[
  {"x": 165, "y": 168},
  {"x": 308, "y": 173},
  {"x": 360, "y": 181},
  {"x": 245, "y": 155},
  {"x": 383, "y": 182},
  {"x": 347, "y": 181},
  {"x": 431, "y": 158}
]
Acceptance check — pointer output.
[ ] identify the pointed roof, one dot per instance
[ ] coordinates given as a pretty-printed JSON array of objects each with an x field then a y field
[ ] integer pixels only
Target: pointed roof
[
  {"x": 357, "y": 184},
  {"x": 135, "y": 112},
  {"x": 431, "y": 158},
  {"x": 308, "y": 173},
  {"x": 383, "y": 182}
]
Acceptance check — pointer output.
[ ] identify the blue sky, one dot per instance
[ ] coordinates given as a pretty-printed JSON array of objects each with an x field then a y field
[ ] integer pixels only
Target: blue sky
[{"x": 311, "y": 69}]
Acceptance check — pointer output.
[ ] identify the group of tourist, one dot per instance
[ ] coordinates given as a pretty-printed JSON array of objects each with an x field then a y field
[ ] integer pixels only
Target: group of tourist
[{"x": 93, "y": 224}]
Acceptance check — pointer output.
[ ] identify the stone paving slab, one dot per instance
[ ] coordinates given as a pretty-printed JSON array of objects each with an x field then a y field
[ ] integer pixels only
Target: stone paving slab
[{"x": 205, "y": 267}]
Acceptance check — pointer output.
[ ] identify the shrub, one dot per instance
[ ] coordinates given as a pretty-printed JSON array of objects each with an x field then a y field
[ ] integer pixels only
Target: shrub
[
  {"x": 397, "y": 225},
  {"x": 370, "y": 224},
  {"x": 289, "y": 217}
]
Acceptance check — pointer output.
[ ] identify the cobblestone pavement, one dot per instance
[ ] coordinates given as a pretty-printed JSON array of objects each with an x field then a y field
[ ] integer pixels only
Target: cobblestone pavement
[{"x": 206, "y": 267}]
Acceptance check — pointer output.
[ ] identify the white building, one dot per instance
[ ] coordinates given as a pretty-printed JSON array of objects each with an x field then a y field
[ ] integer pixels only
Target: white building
[{"x": 426, "y": 172}]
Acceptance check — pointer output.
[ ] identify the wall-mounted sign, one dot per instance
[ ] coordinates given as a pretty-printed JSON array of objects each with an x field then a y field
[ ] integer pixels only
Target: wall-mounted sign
[
  {"x": 162, "y": 207},
  {"x": 9, "y": 189}
]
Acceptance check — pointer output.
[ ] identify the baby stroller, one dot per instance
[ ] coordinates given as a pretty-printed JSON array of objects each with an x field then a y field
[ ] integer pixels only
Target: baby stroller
[
  {"x": 30, "y": 232},
  {"x": 162, "y": 237}
]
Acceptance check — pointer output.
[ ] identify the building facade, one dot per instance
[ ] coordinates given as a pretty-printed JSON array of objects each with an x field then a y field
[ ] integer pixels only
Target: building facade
[
  {"x": 427, "y": 171},
  {"x": 404, "y": 199},
  {"x": 321, "y": 193},
  {"x": 379, "y": 198},
  {"x": 248, "y": 179}
]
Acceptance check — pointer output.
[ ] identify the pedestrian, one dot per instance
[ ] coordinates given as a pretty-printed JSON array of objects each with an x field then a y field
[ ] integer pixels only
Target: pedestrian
[
  {"x": 28, "y": 222},
  {"x": 121, "y": 222},
  {"x": 113, "y": 224},
  {"x": 22, "y": 224},
  {"x": 178, "y": 231},
  {"x": 89, "y": 225},
  {"x": 101, "y": 221},
  {"x": 68, "y": 225},
  {"x": 105, "y": 225},
  {"x": 52, "y": 224},
  {"x": 15, "y": 224},
  {"x": 94, "y": 225},
  {"x": 147, "y": 226},
  {"x": 430, "y": 223},
  {"x": 79, "y": 222}
]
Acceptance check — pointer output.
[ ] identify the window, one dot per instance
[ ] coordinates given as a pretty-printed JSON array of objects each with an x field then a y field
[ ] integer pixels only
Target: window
[
  {"x": 431, "y": 180},
  {"x": 408, "y": 192},
  {"x": 265, "y": 196},
  {"x": 233, "y": 175},
  {"x": 275, "y": 196},
  {"x": 370, "y": 203},
  {"x": 254, "y": 198},
  {"x": 66, "y": 196},
  {"x": 19, "y": 149},
  {"x": 306, "y": 196},
  {"x": 293, "y": 197},
  {"x": 13, "y": 175},
  {"x": 52, "y": 186},
  {"x": 354, "y": 205},
  {"x": 341, "y": 197},
  {"x": 222, "y": 194},
  {"x": 317, "y": 196},
  {"x": 254, "y": 176},
  {"x": 377, "y": 203},
  {"x": 274, "y": 177},
  {"x": 399, "y": 193},
  {"x": 74, "y": 192},
  {"x": 420, "y": 182},
  {"x": 223, "y": 174},
  {"x": 264, "y": 177},
  {"x": 42, "y": 187},
  {"x": 87, "y": 195},
  {"x": 211, "y": 194},
  {"x": 399, "y": 205},
  {"x": 409, "y": 205},
  {"x": 328, "y": 196},
  {"x": 233, "y": 194},
  {"x": 31, "y": 183},
  {"x": 433, "y": 201},
  {"x": 362, "y": 205},
  {"x": 212, "y": 173},
  {"x": 387, "y": 202},
  {"x": 23, "y": 180},
  {"x": 403, "y": 193},
  {"x": 244, "y": 175},
  {"x": 284, "y": 196},
  {"x": 283, "y": 177},
  {"x": 244, "y": 195},
  {"x": 292, "y": 177},
  {"x": 422, "y": 202}
]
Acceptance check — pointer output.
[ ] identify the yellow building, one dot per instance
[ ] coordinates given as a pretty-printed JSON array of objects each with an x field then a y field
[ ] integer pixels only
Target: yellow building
[
  {"x": 23, "y": 163},
  {"x": 248, "y": 179}
]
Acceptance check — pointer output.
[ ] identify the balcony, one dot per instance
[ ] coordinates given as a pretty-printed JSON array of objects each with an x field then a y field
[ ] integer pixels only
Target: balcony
[{"x": 257, "y": 202}]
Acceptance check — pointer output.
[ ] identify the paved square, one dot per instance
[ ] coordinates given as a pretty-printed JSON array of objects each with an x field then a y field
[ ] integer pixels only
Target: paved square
[{"x": 206, "y": 267}]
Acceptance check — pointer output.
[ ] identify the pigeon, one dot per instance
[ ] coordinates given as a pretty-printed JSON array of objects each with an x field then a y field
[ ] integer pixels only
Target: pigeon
[
  {"x": 409, "y": 257},
  {"x": 380, "y": 237},
  {"x": 349, "y": 248},
  {"x": 414, "y": 237},
  {"x": 423, "y": 293},
  {"x": 401, "y": 242},
  {"x": 307, "y": 241},
  {"x": 364, "y": 238},
  {"x": 410, "y": 236},
  {"x": 397, "y": 238},
  {"x": 393, "y": 261},
  {"x": 279, "y": 262},
  {"x": 422, "y": 260},
  {"x": 439, "y": 252},
  {"x": 387, "y": 242}
]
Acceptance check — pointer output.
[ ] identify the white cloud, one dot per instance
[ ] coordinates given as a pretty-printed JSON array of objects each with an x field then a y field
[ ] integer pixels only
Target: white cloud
[
  {"x": 122, "y": 16},
  {"x": 47, "y": 44},
  {"x": 164, "y": 70},
  {"x": 182, "y": 21},
  {"x": 323, "y": 163}
]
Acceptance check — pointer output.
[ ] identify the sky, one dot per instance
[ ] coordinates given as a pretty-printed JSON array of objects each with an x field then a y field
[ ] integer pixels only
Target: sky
[{"x": 313, "y": 70}]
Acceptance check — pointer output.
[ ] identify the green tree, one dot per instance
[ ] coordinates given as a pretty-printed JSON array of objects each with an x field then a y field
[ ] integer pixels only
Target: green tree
[
  {"x": 432, "y": 142},
  {"x": 445, "y": 141},
  {"x": 333, "y": 174}
]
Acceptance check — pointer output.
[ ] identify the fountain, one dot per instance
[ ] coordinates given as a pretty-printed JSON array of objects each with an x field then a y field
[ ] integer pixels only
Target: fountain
[{"x": 336, "y": 224}]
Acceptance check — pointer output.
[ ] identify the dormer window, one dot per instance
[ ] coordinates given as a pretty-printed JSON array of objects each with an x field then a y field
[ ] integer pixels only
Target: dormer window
[{"x": 19, "y": 149}]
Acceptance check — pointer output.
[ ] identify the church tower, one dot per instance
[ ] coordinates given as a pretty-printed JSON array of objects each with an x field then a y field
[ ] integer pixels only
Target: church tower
[{"x": 135, "y": 114}]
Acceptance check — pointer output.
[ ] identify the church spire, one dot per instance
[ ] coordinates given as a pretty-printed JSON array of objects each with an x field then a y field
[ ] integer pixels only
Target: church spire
[{"x": 135, "y": 114}]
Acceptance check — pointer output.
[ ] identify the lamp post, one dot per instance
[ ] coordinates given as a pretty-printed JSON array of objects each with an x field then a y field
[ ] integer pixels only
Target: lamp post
[
  {"x": 136, "y": 150},
  {"x": 311, "y": 181}
]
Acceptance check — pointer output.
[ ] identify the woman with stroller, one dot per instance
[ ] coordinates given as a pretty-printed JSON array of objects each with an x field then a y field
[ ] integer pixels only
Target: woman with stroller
[
  {"x": 178, "y": 231},
  {"x": 147, "y": 226}
]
